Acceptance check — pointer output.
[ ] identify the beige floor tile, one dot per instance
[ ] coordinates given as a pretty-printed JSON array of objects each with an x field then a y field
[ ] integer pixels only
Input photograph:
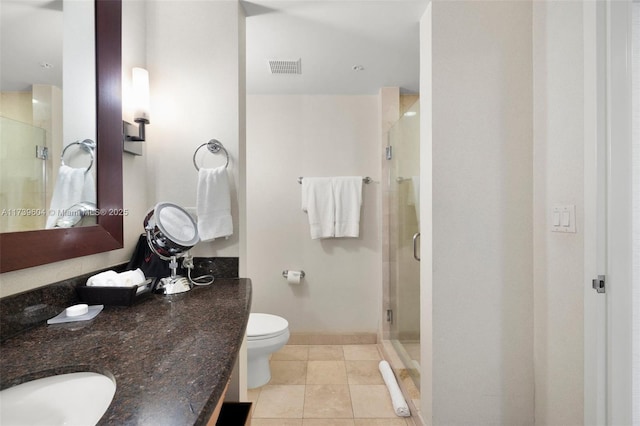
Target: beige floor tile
[
  {"x": 292, "y": 353},
  {"x": 361, "y": 352},
  {"x": 253, "y": 394},
  {"x": 326, "y": 353},
  {"x": 326, "y": 373},
  {"x": 363, "y": 373},
  {"x": 288, "y": 372},
  {"x": 280, "y": 401},
  {"x": 327, "y": 422},
  {"x": 371, "y": 401},
  {"x": 276, "y": 422},
  {"x": 327, "y": 402},
  {"x": 379, "y": 422}
]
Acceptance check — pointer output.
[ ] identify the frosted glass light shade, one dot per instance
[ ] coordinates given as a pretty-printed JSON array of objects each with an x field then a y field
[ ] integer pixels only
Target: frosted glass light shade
[{"x": 140, "y": 86}]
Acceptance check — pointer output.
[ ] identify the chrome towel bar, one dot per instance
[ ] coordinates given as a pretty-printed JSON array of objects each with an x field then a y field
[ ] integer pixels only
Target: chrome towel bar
[
  {"x": 213, "y": 146},
  {"x": 365, "y": 179}
]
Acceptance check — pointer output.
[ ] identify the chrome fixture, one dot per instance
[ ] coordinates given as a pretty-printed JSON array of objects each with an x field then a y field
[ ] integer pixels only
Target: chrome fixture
[
  {"x": 214, "y": 146},
  {"x": 171, "y": 232},
  {"x": 86, "y": 145},
  {"x": 365, "y": 179},
  {"x": 140, "y": 104}
]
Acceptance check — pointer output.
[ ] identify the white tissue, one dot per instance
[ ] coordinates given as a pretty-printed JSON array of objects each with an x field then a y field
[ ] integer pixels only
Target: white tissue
[
  {"x": 293, "y": 277},
  {"x": 397, "y": 400}
]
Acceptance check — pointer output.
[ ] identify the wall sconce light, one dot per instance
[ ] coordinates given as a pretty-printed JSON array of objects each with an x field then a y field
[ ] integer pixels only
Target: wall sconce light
[{"x": 140, "y": 102}]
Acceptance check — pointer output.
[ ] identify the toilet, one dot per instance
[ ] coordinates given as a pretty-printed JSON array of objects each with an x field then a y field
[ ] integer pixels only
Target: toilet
[{"x": 266, "y": 334}]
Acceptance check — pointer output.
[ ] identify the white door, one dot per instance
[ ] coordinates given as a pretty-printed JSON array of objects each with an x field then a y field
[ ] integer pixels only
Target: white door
[{"x": 612, "y": 169}]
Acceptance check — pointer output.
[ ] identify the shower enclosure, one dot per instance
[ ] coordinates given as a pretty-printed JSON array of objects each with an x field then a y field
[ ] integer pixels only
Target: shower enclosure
[
  {"x": 404, "y": 229},
  {"x": 23, "y": 176}
]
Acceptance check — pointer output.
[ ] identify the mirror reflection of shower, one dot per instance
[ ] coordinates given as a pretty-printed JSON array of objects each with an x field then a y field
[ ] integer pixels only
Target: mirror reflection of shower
[{"x": 73, "y": 202}]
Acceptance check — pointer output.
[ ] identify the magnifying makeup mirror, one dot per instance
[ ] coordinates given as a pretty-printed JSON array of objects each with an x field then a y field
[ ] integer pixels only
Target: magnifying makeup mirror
[{"x": 171, "y": 232}]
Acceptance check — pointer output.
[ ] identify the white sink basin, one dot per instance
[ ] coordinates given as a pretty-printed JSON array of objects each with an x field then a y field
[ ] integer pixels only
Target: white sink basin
[{"x": 65, "y": 399}]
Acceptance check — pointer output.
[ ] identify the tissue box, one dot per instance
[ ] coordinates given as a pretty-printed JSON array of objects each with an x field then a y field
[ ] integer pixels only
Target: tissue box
[{"x": 114, "y": 296}]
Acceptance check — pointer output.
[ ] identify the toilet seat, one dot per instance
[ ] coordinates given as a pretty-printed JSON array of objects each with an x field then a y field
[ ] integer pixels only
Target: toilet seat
[{"x": 265, "y": 326}]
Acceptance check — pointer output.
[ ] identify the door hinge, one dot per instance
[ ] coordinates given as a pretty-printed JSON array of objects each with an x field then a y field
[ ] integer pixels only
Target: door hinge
[
  {"x": 389, "y": 315},
  {"x": 42, "y": 152},
  {"x": 389, "y": 152},
  {"x": 599, "y": 284}
]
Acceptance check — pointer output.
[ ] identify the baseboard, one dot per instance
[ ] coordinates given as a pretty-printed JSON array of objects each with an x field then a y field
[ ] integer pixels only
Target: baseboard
[{"x": 315, "y": 338}]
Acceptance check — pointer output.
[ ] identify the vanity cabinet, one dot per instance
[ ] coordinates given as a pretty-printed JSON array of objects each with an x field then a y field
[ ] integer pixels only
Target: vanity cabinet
[{"x": 170, "y": 356}]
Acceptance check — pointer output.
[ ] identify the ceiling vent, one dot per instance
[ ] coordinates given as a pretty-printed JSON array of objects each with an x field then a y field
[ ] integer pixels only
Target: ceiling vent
[{"x": 285, "y": 67}]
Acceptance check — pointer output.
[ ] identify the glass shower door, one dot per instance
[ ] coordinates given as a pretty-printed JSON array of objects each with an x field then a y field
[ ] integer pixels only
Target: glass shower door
[
  {"x": 404, "y": 231},
  {"x": 22, "y": 176}
]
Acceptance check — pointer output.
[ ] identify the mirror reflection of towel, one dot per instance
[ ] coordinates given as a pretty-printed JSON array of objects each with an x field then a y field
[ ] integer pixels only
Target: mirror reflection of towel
[{"x": 73, "y": 186}]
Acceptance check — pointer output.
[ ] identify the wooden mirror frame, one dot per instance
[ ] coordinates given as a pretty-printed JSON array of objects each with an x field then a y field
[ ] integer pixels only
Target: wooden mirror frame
[{"x": 19, "y": 250}]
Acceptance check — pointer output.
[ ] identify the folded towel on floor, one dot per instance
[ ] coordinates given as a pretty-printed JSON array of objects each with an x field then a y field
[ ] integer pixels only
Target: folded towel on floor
[
  {"x": 318, "y": 202},
  {"x": 347, "y": 193},
  {"x": 213, "y": 204}
]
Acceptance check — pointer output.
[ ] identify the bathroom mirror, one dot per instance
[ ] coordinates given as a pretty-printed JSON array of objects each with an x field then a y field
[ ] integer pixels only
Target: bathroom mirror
[
  {"x": 47, "y": 58},
  {"x": 19, "y": 250}
]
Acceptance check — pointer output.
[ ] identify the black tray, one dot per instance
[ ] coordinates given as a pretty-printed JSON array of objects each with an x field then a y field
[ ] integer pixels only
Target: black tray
[{"x": 115, "y": 296}]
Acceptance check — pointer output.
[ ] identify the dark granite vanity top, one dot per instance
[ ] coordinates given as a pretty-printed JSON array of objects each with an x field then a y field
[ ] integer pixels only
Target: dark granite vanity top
[{"x": 170, "y": 356}]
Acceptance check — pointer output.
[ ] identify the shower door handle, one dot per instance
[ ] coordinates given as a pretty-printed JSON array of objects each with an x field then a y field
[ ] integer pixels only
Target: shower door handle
[{"x": 415, "y": 246}]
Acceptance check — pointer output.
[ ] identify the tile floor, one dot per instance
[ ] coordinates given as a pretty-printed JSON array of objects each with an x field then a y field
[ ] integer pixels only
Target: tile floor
[{"x": 324, "y": 385}]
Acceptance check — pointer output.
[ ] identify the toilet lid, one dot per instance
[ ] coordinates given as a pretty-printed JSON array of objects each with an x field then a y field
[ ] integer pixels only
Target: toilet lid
[{"x": 265, "y": 325}]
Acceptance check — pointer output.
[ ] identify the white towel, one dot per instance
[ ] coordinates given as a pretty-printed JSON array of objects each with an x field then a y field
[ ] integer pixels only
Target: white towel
[
  {"x": 213, "y": 204},
  {"x": 347, "y": 193},
  {"x": 114, "y": 279},
  {"x": 105, "y": 279},
  {"x": 131, "y": 278},
  {"x": 397, "y": 400},
  {"x": 72, "y": 186},
  {"x": 318, "y": 202}
]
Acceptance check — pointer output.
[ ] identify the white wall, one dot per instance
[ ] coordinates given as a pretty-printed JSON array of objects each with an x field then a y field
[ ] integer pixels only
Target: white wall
[
  {"x": 291, "y": 136},
  {"x": 476, "y": 103},
  {"x": 558, "y": 165},
  {"x": 195, "y": 56},
  {"x": 134, "y": 195}
]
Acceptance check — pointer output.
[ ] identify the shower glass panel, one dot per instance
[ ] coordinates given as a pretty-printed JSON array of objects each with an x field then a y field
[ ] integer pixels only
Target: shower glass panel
[
  {"x": 22, "y": 177},
  {"x": 404, "y": 268}
]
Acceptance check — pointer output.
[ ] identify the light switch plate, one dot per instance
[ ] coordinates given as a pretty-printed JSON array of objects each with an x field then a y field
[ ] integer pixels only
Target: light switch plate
[{"x": 563, "y": 219}]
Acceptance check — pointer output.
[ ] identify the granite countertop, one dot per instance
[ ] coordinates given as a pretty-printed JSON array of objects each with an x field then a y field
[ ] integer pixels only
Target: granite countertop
[{"x": 171, "y": 356}]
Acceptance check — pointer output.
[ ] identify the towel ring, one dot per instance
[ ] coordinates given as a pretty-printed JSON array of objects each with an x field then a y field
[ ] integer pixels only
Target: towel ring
[
  {"x": 214, "y": 146},
  {"x": 87, "y": 145}
]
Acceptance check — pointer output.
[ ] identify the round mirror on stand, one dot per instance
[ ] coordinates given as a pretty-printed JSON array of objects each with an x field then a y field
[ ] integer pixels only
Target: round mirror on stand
[{"x": 171, "y": 232}]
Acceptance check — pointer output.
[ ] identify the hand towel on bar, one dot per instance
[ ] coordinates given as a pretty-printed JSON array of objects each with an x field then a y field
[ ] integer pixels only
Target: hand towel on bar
[
  {"x": 213, "y": 204},
  {"x": 318, "y": 202},
  {"x": 347, "y": 193},
  {"x": 72, "y": 187}
]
